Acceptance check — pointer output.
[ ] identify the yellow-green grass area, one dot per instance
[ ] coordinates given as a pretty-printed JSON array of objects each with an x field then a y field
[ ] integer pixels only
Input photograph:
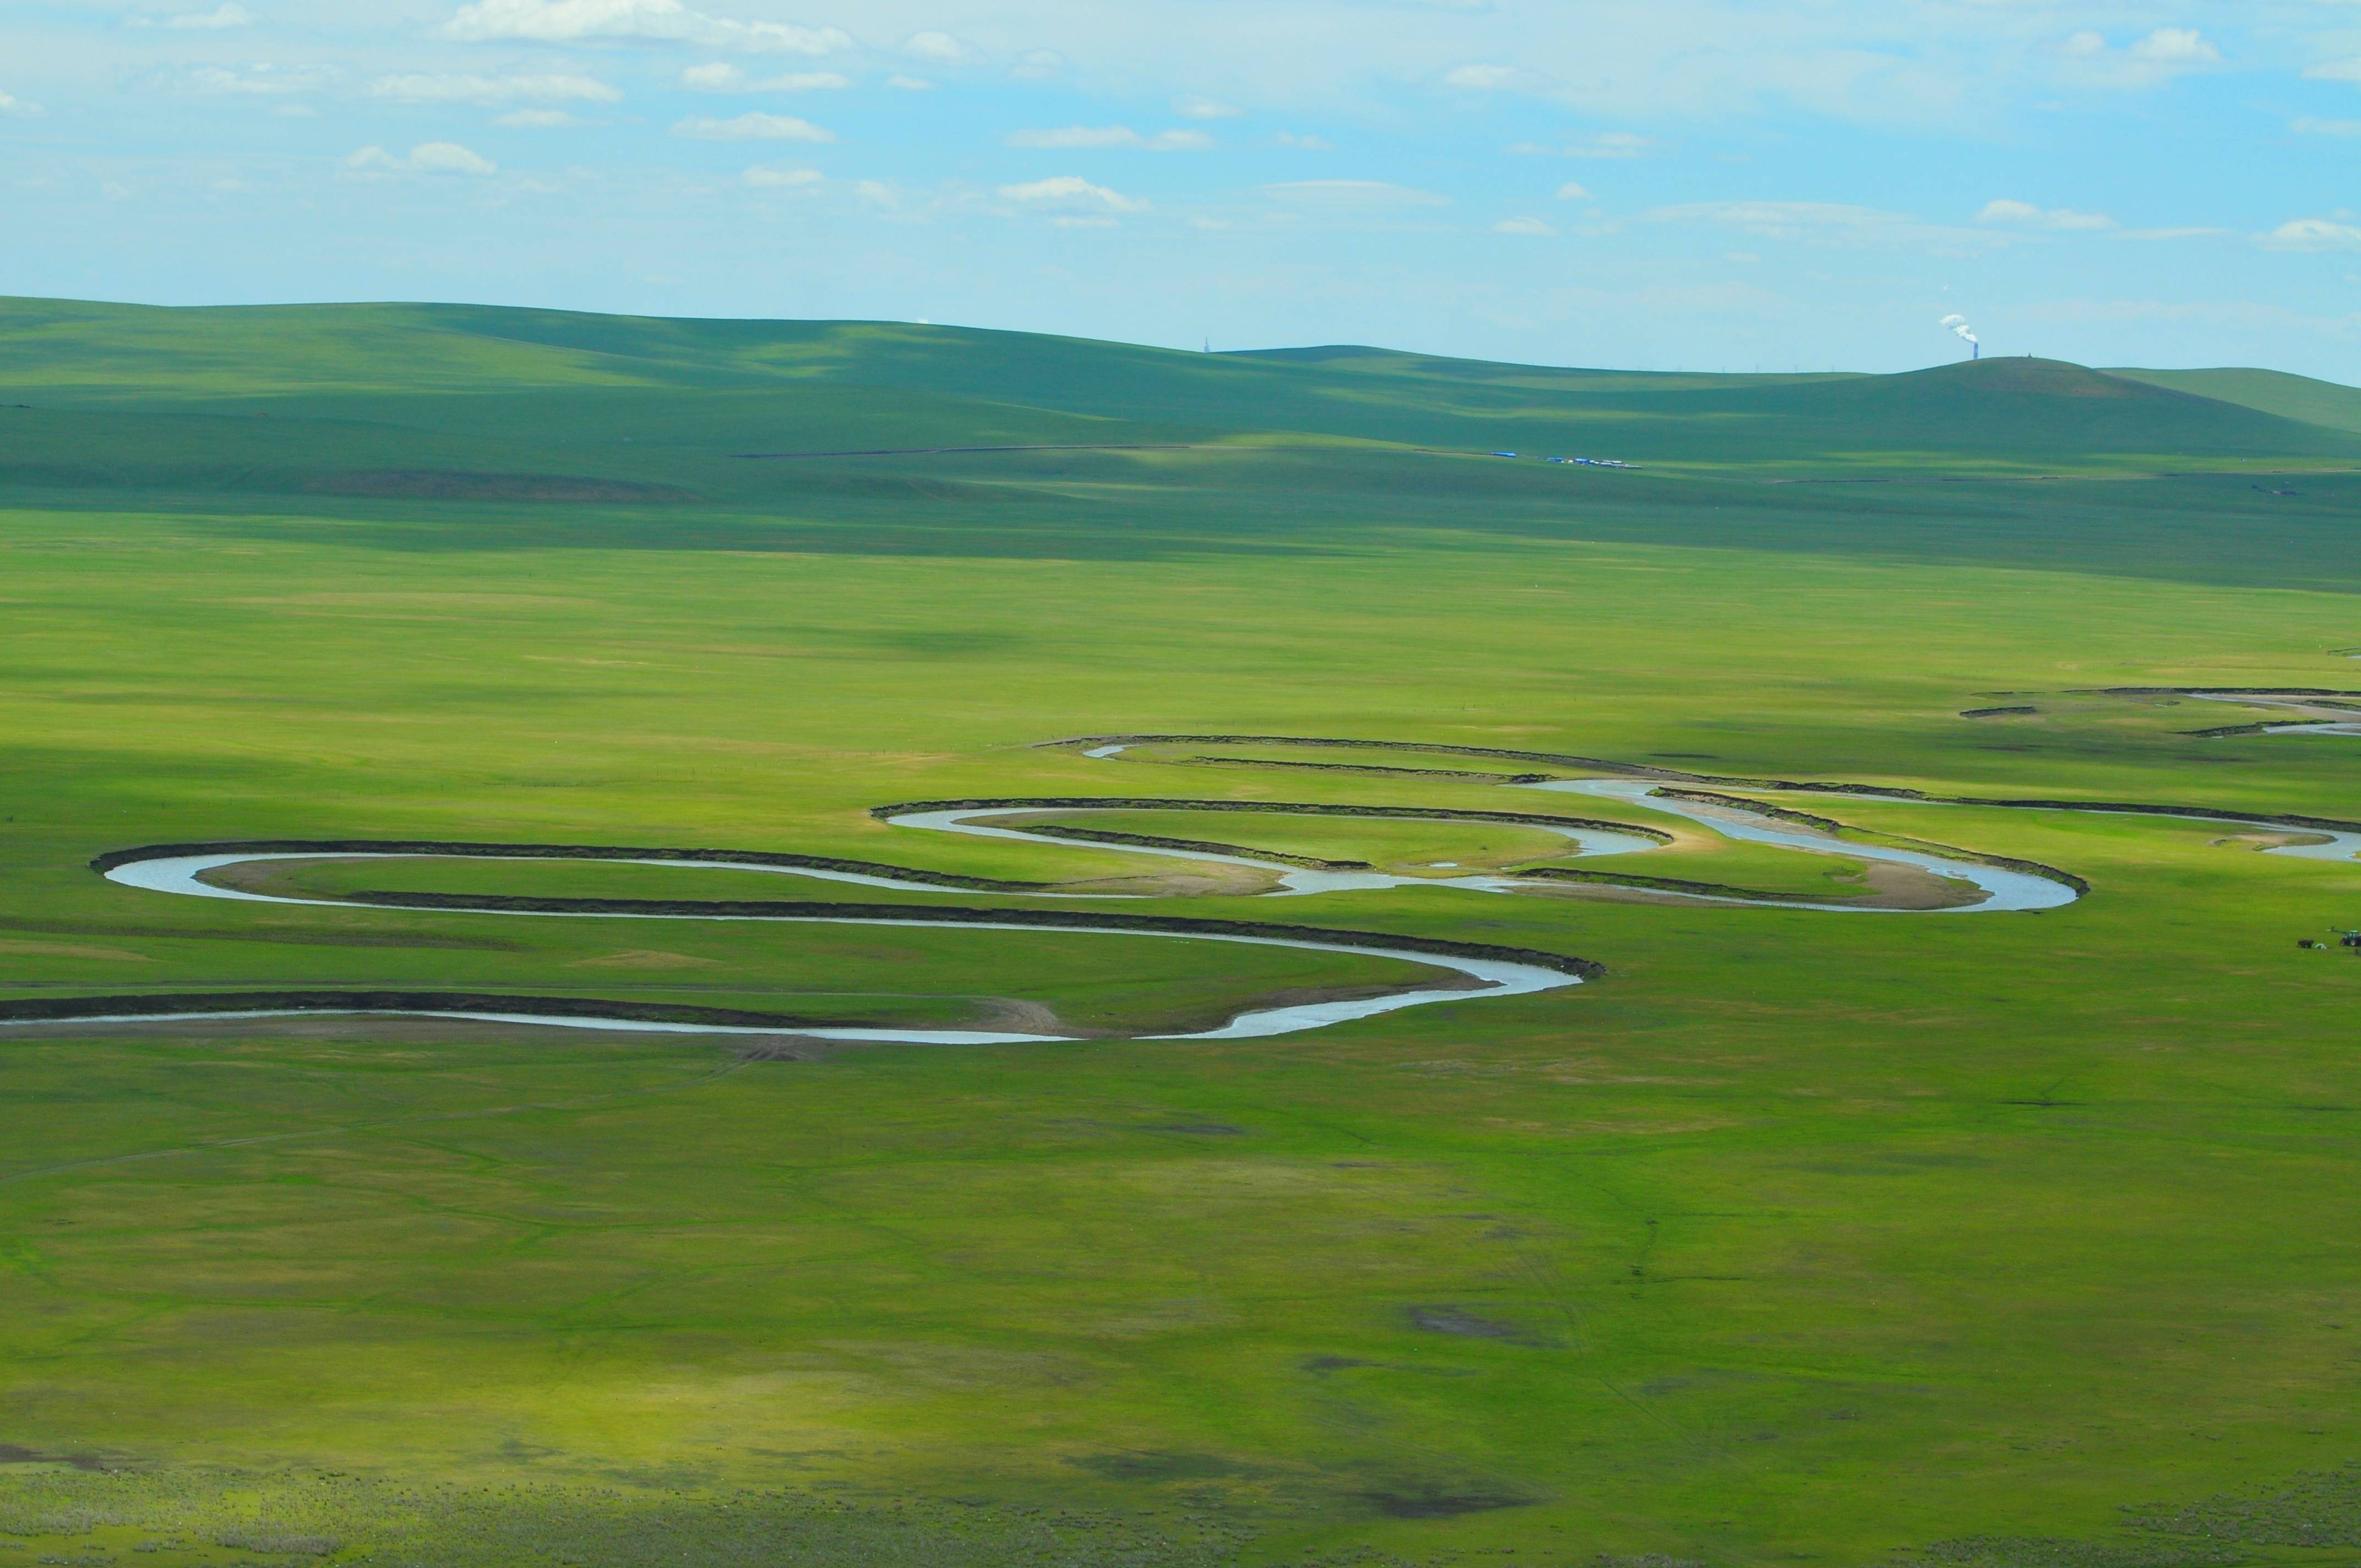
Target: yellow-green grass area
[
  {"x": 1448, "y": 848},
  {"x": 1796, "y": 1236},
  {"x": 1409, "y": 847}
]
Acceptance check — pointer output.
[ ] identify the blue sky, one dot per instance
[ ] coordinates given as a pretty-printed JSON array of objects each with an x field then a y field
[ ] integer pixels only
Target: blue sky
[{"x": 1651, "y": 183}]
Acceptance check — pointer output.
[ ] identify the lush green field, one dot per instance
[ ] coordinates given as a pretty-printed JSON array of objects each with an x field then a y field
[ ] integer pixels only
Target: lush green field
[{"x": 1796, "y": 1237}]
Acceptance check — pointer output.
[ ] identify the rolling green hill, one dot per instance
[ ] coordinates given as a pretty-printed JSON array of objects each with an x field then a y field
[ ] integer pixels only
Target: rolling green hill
[
  {"x": 526, "y": 391},
  {"x": 2272, "y": 391}
]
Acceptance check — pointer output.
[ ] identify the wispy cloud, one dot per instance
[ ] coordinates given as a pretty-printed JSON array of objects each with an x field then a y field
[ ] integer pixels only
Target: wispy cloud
[
  {"x": 1354, "y": 194},
  {"x": 770, "y": 177},
  {"x": 2313, "y": 234},
  {"x": 1086, "y": 137},
  {"x": 1829, "y": 224},
  {"x": 724, "y": 77},
  {"x": 1533, "y": 227},
  {"x": 1605, "y": 144},
  {"x": 17, "y": 108},
  {"x": 218, "y": 20},
  {"x": 2024, "y": 214},
  {"x": 262, "y": 81},
  {"x": 427, "y": 158},
  {"x": 2158, "y": 57},
  {"x": 493, "y": 90},
  {"x": 1488, "y": 78},
  {"x": 940, "y": 47},
  {"x": 751, "y": 128},
  {"x": 1072, "y": 195},
  {"x": 569, "y": 21},
  {"x": 2176, "y": 46}
]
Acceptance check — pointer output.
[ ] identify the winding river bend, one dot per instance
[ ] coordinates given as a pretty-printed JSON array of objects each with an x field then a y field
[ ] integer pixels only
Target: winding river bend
[{"x": 1474, "y": 970}]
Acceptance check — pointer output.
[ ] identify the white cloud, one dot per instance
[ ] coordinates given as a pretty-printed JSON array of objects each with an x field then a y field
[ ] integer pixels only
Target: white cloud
[
  {"x": 2024, "y": 214},
  {"x": 877, "y": 193},
  {"x": 1522, "y": 226},
  {"x": 1111, "y": 136},
  {"x": 427, "y": 158},
  {"x": 2335, "y": 71},
  {"x": 2308, "y": 126},
  {"x": 2161, "y": 56},
  {"x": 1038, "y": 65},
  {"x": 1197, "y": 108},
  {"x": 449, "y": 157},
  {"x": 1354, "y": 194},
  {"x": 726, "y": 78},
  {"x": 491, "y": 89},
  {"x": 1605, "y": 144},
  {"x": 752, "y": 127},
  {"x": 2171, "y": 233},
  {"x": 1071, "y": 194},
  {"x": 910, "y": 83},
  {"x": 261, "y": 81},
  {"x": 2176, "y": 45},
  {"x": 570, "y": 21},
  {"x": 1077, "y": 135},
  {"x": 536, "y": 119},
  {"x": 2314, "y": 234},
  {"x": 1484, "y": 78},
  {"x": 1570, "y": 191},
  {"x": 221, "y": 17},
  {"x": 770, "y": 177},
  {"x": 1829, "y": 224},
  {"x": 938, "y": 47},
  {"x": 17, "y": 108},
  {"x": 1304, "y": 143}
]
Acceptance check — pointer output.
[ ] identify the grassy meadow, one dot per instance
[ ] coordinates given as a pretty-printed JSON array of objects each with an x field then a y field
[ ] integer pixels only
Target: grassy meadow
[{"x": 2005, "y": 1240}]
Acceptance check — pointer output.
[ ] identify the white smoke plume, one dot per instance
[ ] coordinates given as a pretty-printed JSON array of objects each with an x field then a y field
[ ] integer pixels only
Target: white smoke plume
[{"x": 1959, "y": 324}]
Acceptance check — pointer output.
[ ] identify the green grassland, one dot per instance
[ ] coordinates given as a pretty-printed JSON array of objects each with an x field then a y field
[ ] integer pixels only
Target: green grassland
[{"x": 1795, "y": 1237}]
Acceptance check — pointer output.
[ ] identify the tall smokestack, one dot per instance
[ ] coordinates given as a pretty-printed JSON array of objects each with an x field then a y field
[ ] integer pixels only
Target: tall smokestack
[{"x": 1959, "y": 324}]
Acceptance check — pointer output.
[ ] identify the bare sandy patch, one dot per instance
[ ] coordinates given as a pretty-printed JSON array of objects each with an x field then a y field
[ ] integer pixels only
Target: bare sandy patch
[{"x": 2257, "y": 842}]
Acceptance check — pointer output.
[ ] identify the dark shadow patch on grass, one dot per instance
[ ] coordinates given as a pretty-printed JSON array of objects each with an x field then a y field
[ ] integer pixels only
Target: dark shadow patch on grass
[
  {"x": 451, "y": 484},
  {"x": 1425, "y": 1499},
  {"x": 2319, "y": 1508},
  {"x": 1462, "y": 1323},
  {"x": 18, "y": 1453},
  {"x": 2053, "y": 1552},
  {"x": 1148, "y": 1465}
]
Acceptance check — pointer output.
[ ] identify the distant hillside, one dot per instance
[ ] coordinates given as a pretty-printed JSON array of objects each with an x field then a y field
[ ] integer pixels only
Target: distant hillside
[
  {"x": 338, "y": 397},
  {"x": 1396, "y": 362},
  {"x": 2272, "y": 391}
]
